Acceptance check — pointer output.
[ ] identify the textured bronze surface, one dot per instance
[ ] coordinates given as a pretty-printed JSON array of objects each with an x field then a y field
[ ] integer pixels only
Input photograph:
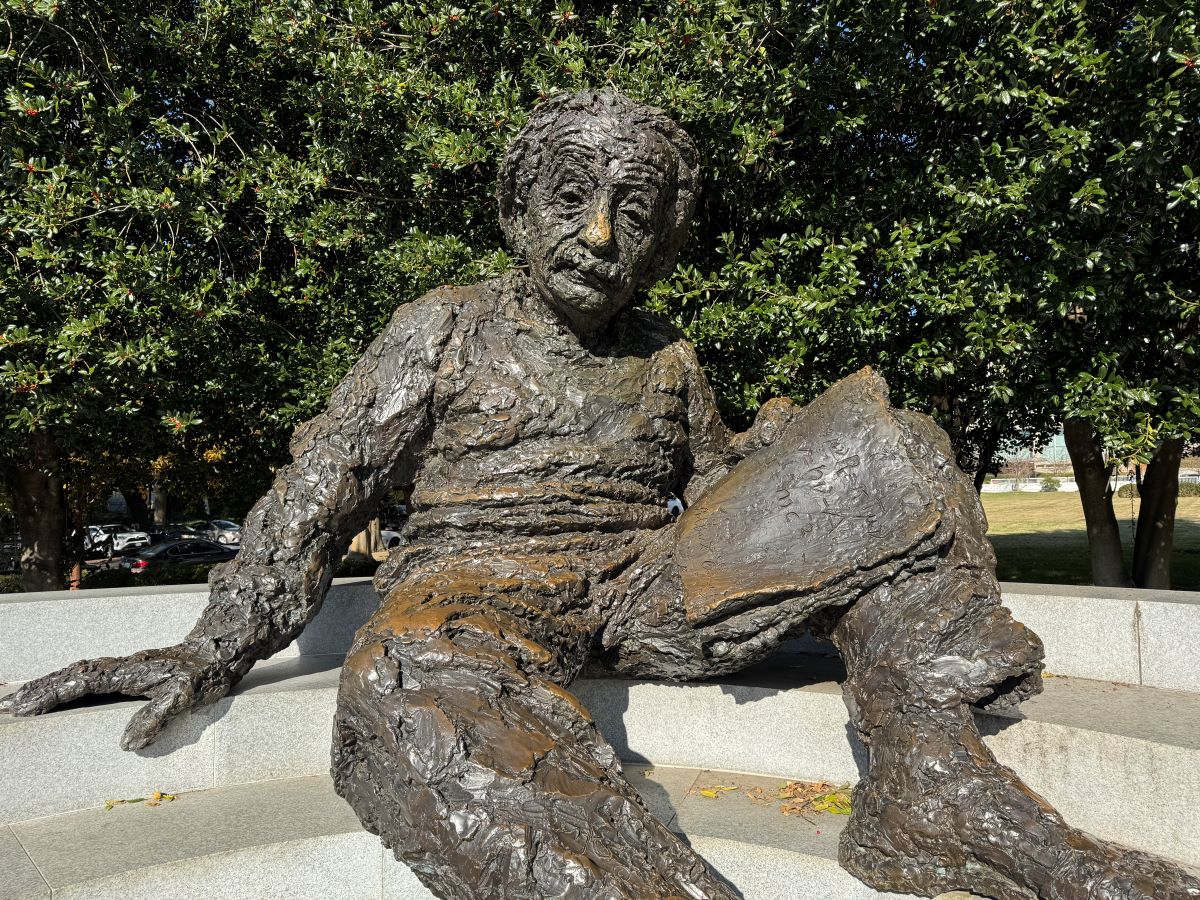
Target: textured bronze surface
[{"x": 544, "y": 429}]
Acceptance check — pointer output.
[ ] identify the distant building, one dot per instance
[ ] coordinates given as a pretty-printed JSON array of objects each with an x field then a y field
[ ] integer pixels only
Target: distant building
[
  {"x": 1053, "y": 458},
  {"x": 116, "y": 505},
  {"x": 1023, "y": 471}
]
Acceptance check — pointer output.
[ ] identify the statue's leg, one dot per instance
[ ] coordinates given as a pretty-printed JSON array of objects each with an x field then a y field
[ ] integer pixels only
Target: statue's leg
[
  {"x": 457, "y": 742},
  {"x": 856, "y": 520},
  {"x": 936, "y": 811}
]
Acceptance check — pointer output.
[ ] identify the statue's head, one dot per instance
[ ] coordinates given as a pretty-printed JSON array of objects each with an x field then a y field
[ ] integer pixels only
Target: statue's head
[{"x": 596, "y": 192}]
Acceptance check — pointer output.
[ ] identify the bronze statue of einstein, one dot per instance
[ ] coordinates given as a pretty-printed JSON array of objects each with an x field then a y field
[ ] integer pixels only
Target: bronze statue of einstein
[{"x": 544, "y": 427}]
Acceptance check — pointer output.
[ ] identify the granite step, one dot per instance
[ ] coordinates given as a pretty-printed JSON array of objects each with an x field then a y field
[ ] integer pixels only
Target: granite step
[
  {"x": 295, "y": 838},
  {"x": 1120, "y": 761},
  {"x": 41, "y": 632}
]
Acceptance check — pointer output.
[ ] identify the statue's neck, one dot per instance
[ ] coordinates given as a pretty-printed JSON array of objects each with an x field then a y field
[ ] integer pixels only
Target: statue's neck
[{"x": 537, "y": 304}]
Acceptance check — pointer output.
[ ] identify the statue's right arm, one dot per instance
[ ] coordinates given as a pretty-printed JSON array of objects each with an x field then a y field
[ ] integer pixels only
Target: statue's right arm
[{"x": 344, "y": 462}]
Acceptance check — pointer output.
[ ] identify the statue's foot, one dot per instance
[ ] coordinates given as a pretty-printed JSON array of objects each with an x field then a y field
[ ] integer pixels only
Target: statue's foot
[
  {"x": 1108, "y": 872},
  {"x": 986, "y": 832}
]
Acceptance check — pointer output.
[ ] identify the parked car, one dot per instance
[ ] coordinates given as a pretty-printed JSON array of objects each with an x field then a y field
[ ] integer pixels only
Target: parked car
[
  {"x": 393, "y": 517},
  {"x": 162, "y": 534},
  {"x": 222, "y": 531},
  {"x": 10, "y": 556},
  {"x": 192, "y": 552},
  {"x": 114, "y": 539},
  {"x": 391, "y": 539}
]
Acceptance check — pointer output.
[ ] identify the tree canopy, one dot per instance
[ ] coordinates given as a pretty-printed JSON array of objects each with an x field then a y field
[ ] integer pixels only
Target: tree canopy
[{"x": 210, "y": 206}]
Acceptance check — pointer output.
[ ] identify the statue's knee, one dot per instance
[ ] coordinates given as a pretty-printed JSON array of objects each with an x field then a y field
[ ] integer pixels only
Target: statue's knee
[
  {"x": 370, "y": 671},
  {"x": 380, "y": 668},
  {"x": 379, "y": 711},
  {"x": 384, "y": 671},
  {"x": 409, "y": 626}
]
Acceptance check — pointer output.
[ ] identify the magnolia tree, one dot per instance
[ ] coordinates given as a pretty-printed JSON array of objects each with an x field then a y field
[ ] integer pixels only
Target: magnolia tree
[
  {"x": 208, "y": 211},
  {"x": 189, "y": 262}
]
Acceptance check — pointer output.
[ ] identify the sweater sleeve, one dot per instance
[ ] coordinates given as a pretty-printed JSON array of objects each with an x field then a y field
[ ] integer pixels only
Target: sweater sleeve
[{"x": 344, "y": 461}]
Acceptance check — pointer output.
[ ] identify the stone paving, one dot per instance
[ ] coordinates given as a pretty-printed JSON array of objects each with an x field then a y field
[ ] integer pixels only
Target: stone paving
[{"x": 233, "y": 840}]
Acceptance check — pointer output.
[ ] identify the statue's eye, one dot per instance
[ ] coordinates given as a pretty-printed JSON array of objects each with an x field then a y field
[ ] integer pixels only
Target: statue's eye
[
  {"x": 636, "y": 213},
  {"x": 572, "y": 196}
]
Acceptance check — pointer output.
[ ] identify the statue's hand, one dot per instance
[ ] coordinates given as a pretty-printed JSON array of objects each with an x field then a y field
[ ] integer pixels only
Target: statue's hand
[
  {"x": 772, "y": 420},
  {"x": 175, "y": 679}
]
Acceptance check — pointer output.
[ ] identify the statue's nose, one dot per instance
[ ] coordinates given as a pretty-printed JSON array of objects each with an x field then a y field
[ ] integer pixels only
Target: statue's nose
[{"x": 598, "y": 234}]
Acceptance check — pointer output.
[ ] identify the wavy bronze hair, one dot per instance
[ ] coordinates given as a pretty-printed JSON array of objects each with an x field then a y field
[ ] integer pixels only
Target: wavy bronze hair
[{"x": 527, "y": 156}]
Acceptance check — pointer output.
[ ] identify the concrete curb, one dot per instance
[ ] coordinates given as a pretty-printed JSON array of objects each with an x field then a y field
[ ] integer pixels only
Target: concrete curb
[
  {"x": 45, "y": 631},
  {"x": 1131, "y": 636},
  {"x": 1128, "y": 635}
]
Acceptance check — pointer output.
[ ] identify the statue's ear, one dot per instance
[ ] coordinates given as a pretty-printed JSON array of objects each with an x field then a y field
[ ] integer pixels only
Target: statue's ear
[
  {"x": 679, "y": 207},
  {"x": 511, "y": 198},
  {"x": 512, "y": 222},
  {"x": 663, "y": 263}
]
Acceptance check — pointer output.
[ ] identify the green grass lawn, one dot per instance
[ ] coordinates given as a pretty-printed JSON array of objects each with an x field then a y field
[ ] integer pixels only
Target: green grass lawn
[{"x": 1041, "y": 537}]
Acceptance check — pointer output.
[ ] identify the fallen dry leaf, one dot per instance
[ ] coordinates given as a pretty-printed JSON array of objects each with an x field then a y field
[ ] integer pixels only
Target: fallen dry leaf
[
  {"x": 155, "y": 799},
  {"x": 800, "y": 798},
  {"x": 716, "y": 790}
]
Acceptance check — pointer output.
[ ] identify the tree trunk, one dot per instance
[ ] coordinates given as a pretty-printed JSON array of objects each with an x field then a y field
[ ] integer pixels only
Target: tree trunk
[
  {"x": 987, "y": 456},
  {"x": 1156, "y": 520},
  {"x": 160, "y": 500},
  {"x": 35, "y": 484},
  {"x": 76, "y": 545},
  {"x": 367, "y": 543},
  {"x": 135, "y": 506},
  {"x": 1093, "y": 474}
]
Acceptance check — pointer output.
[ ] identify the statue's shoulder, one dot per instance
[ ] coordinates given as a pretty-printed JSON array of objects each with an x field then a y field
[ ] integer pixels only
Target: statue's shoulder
[
  {"x": 652, "y": 335},
  {"x": 456, "y": 298},
  {"x": 445, "y": 309}
]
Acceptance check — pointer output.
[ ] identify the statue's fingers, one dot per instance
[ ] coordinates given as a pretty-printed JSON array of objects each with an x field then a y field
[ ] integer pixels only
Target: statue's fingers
[
  {"x": 43, "y": 694},
  {"x": 169, "y": 700}
]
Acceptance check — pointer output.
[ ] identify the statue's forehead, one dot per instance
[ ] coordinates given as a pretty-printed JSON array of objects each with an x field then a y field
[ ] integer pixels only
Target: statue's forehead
[{"x": 603, "y": 147}]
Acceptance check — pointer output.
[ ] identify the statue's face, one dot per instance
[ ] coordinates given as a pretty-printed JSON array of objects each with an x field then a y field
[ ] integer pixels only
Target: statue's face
[{"x": 594, "y": 220}]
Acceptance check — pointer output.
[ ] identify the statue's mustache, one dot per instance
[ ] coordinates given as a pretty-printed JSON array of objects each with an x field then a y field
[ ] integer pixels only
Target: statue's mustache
[{"x": 573, "y": 258}]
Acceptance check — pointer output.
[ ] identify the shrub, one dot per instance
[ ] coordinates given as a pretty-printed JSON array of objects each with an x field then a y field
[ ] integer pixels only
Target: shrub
[
  {"x": 1186, "y": 489},
  {"x": 210, "y": 207},
  {"x": 107, "y": 578},
  {"x": 123, "y": 578},
  {"x": 931, "y": 193},
  {"x": 10, "y": 584},
  {"x": 1050, "y": 484},
  {"x": 356, "y": 566},
  {"x": 176, "y": 575}
]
